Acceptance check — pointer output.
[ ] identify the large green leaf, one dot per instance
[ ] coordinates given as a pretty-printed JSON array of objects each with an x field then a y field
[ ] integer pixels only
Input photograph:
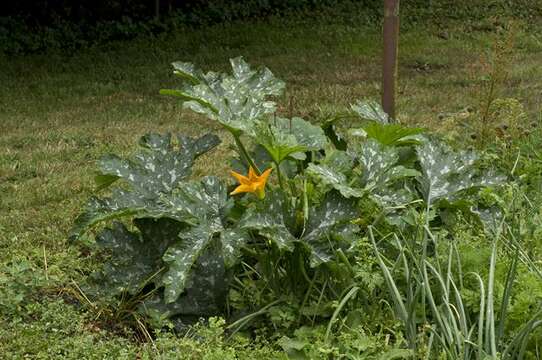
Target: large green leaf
[
  {"x": 181, "y": 257},
  {"x": 204, "y": 205},
  {"x": 380, "y": 167},
  {"x": 392, "y": 134},
  {"x": 382, "y": 175},
  {"x": 445, "y": 173},
  {"x": 377, "y": 173},
  {"x": 289, "y": 137},
  {"x": 370, "y": 110},
  {"x": 135, "y": 257},
  {"x": 336, "y": 171},
  {"x": 235, "y": 101},
  {"x": 274, "y": 218},
  {"x": 157, "y": 168},
  {"x": 329, "y": 227},
  {"x": 204, "y": 293}
]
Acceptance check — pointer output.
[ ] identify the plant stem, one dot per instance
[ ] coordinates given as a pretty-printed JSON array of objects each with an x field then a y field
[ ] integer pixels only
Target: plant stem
[
  {"x": 352, "y": 293},
  {"x": 306, "y": 298},
  {"x": 244, "y": 154},
  {"x": 279, "y": 174}
]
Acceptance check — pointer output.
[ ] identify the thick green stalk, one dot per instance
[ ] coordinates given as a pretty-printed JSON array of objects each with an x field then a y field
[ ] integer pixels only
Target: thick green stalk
[
  {"x": 279, "y": 174},
  {"x": 245, "y": 154}
]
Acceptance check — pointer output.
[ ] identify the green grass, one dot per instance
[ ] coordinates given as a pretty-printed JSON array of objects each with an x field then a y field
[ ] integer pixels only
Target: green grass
[{"x": 60, "y": 113}]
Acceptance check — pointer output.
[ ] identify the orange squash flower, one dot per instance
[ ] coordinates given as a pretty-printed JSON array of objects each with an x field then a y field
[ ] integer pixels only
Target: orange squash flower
[{"x": 252, "y": 183}]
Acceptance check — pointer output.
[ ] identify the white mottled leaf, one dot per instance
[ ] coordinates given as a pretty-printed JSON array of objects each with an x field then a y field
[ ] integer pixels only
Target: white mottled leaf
[
  {"x": 204, "y": 293},
  {"x": 236, "y": 101},
  {"x": 272, "y": 218},
  {"x": 289, "y": 137},
  {"x": 181, "y": 256},
  {"x": 328, "y": 224},
  {"x": 445, "y": 173},
  {"x": 203, "y": 205},
  {"x": 157, "y": 168},
  {"x": 134, "y": 257},
  {"x": 370, "y": 110}
]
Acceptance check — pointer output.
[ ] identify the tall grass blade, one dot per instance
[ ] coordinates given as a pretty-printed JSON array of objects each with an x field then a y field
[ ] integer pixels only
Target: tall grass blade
[
  {"x": 507, "y": 294},
  {"x": 490, "y": 343},
  {"x": 396, "y": 295},
  {"x": 337, "y": 311}
]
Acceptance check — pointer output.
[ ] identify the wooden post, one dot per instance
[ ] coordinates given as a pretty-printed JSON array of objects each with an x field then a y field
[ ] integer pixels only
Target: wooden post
[
  {"x": 157, "y": 9},
  {"x": 389, "y": 69}
]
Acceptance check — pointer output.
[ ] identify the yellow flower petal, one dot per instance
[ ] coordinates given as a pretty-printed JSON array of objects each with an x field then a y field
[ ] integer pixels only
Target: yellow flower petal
[
  {"x": 252, "y": 174},
  {"x": 242, "y": 189},
  {"x": 265, "y": 175},
  {"x": 252, "y": 183},
  {"x": 240, "y": 178}
]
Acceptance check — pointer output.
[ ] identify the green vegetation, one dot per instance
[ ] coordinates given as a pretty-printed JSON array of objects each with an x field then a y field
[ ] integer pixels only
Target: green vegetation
[
  {"x": 452, "y": 269},
  {"x": 41, "y": 25}
]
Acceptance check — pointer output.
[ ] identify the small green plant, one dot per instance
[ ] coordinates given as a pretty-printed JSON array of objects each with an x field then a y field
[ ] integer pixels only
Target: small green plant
[
  {"x": 17, "y": 281},
  {"x": 493, "y": 117}
]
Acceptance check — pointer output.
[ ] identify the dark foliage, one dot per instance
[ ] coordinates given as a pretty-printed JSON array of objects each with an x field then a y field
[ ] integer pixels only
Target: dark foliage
[
  {"x": 30, "y": 26},
  {"x": 46, "y": 12}
]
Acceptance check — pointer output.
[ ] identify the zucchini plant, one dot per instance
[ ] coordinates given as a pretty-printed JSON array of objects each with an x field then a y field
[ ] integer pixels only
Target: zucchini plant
[{"x": 290, "y": 218}]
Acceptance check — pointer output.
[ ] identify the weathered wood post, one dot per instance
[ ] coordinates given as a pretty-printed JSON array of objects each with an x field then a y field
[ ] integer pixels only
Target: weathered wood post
[
  {"x": 391, "y": 42},
  {"x": 157, "y": 9}
]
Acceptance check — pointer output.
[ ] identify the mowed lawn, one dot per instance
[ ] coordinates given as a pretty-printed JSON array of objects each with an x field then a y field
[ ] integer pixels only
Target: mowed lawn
[{"x": 59, "y": 113}]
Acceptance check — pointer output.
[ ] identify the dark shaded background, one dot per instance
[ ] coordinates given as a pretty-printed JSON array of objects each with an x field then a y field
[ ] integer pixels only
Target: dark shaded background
[
  {"x": 45, "y": 12},
  {"x": 30, "y": 26}
]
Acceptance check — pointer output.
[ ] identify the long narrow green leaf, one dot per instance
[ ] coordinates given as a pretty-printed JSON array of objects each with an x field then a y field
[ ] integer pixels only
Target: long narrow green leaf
[
  {"x": 517, "y": 343},
  {"x": 531, "y": 327},
  {"x": 392, "y": 287},
  {"x": 454, "y": 335},
  {"x": 411, "y": 296},
  {"x": 429, "y": 295},
  {"x": 507, "y": 295},
  {"x": 238, "y": 325},
  {"x": 481, "y": 317},
  {"x": 461, "y": 310},
  {"x": 490, "y": 344},
  {"x": 342, "y": 304}
]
